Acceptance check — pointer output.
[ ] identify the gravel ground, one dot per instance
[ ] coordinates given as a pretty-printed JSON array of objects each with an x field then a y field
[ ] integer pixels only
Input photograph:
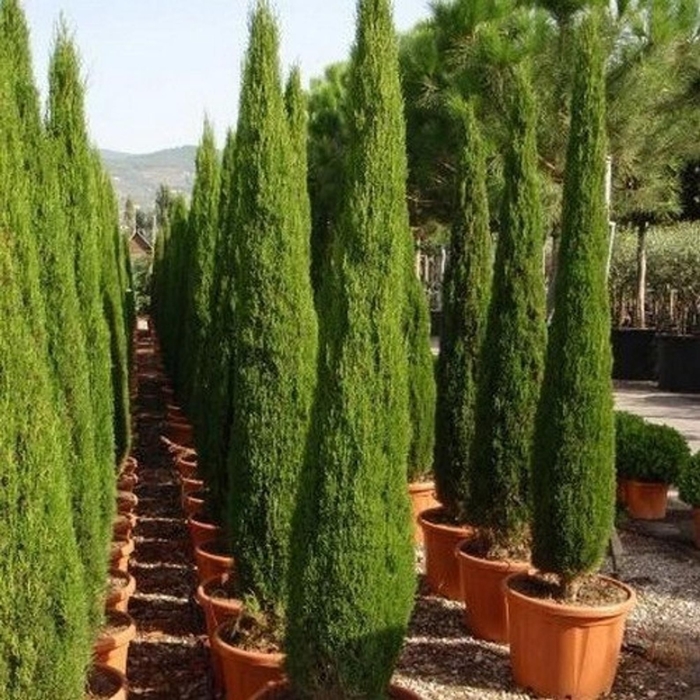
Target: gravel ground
[{"x": 661, "y": 650}]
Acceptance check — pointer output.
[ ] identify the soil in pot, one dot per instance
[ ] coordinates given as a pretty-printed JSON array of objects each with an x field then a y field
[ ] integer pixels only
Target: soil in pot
[
  {"x": 120, "y": 587},
  {"x": 213, "y": 558},
  {"x": 422, "y": 495},
  {"x": 481, "y": 582},
  {"x": 282, "y": 691},
  {"x": 563, "y": 650},
  {"x": 105, "y": 683},
  {"x": 249, "y": 655},
  {"x": 441, "y": 537},
  {"x": 112, "y": 646},
  {"x": 646, "y": 500}
]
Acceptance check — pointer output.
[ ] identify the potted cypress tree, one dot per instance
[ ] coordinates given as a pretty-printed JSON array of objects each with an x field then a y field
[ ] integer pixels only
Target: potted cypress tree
[
  {"x": 511, "y": 368},
  {"x": 352, "y": 579},
  {"x": 573, "y": 461},
  {"x": 275, "y": 348},
  {"x": 466, "y": 295}
]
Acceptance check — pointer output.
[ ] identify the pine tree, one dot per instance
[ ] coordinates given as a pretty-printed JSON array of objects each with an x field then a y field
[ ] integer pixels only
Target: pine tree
[
  {"x": 512, "y": 360},
  {"x": 44, "y": 646},
  {"x": 275, "y": 329},
  {"x": 466, "y": 293},
  {"x": 78, "y": 199},
  {"x": 352, "y": 578},
  {"x": 204, "y": 227},
  {"x": 573, "y": 462}
]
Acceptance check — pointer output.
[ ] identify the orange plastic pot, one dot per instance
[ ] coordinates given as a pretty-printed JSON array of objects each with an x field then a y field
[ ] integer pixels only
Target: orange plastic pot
[
  {"x": 280, "y": 691},
  {"x": 188, "y": 486},
  {"x": 646, "y": 500},
  {"x": 111, "y": 677},
  {"x": 193, "y": 503},
  {"x": 112, "y": 648},
  {"x": 118, "y": 596},
  {"x": 127, "y": 482},
  {"x": 123, "y": 526},
  {"x": 201, "y": 530},
  {"x": 180, "y": 433},
  {"x": 565, "y": 651},
  {"x": 245, "y": 672},
  {"x": 186, "y": 468},
  {"x": 422, "y": 495},
  {"x": 217, "y": 610},
  {"x": 129, "y": 466},
  {"x": 120, "y": 553},
  {"x": 481, "y": 584},
  {"x": 441, "y": 570},
  {"x": 696, "y": 526},
  {"x": 126, "y": 502},
  {"x": 212, "y": 561}
]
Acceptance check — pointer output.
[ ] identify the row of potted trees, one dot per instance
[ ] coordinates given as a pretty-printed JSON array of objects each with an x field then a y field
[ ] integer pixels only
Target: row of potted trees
[
  {"x": 64, "y": 394},
  {"x": 524, "y": 460},
  {"x": 301, "y": 410}
]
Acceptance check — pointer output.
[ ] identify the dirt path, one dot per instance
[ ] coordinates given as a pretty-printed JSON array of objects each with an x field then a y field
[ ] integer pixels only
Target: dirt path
[{"x": 168, "y": 660}]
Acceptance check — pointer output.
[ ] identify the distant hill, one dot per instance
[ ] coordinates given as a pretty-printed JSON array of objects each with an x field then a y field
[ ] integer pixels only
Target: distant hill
[{"x": 140, "y": 176}]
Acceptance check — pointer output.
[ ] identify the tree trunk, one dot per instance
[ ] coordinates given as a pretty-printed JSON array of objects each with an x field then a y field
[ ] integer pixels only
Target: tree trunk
[{"x": 640, "y": 319}]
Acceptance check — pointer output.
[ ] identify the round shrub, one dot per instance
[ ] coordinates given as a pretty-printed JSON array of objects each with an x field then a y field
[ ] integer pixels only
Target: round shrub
[
  {"x": 664, "y": 454},
  {"x": 689, "y": 481},
  {"x": 629, "y": 443}
]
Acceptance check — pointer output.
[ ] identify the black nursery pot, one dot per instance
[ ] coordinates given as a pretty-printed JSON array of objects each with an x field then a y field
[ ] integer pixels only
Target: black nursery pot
[
  {"x": 679, "y": 363},
  {"x": 634, "y": 354}
]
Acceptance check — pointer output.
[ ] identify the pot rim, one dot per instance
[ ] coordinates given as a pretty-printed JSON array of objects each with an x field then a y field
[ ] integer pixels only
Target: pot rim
[
  {"x": 210, "y": 555},
  {"x": 204, "y": 596},
  {"x": 566, "y": 610},
  {"x": 491, "y": 564},
  {"x": 420, "y": 486},
  {"x": 452, "y": 529},
  {"x": 107, "y": 642}
]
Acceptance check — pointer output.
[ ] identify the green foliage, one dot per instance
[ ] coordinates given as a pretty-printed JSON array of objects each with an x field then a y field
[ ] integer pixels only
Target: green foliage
[
  {"x": 466, "y": 293},
  {"x": 275, "y": 329},
  {"x": 689, "y": 481},
  {"x": 94, "y": 489},
  {"x": 512, "y": 359},
  {"x": 204, "y": 229},
  {"x": 352, "y": 578},
  {"x": 629, "y": 443},
  {"x": 573, "y": 456}
]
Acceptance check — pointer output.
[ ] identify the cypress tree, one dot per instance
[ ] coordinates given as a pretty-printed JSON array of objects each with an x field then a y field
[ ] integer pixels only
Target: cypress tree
[
  {"x": 112, "y": 292},
  {"x": 213, "y": 396},
  {"x": 204, "y": 225},
  {"x": 78, "y": 199},
  {"x": 512, "y": 360},
  {"x": 275, "y": 329},
  {"x": 295, "y": 103},
  {"x": 573, "y": 462},
  {"x": 466, "y": 293},
  {"x": 63, "y": 331},
  {"x": 352, "y": 578},
  {"x": 44, "y": 647}
]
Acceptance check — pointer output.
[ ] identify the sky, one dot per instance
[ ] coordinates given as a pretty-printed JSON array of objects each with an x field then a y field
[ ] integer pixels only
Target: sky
[{"x": 154, "y": 68}]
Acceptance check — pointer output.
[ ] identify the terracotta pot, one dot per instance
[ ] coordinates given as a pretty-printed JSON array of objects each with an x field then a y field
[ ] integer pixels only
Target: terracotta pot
[
  {"x": 280, "y": 691},
  {"x": 103, "y": 676},
  {"x": 217, "y": 610},
  {"x": 118, "y": 596},
  {"x": 441, "y": 570},
  {"x": 189, "y": 486},
  {"x": 180, "y": 433},
  {"x": 696, "y": 525},
  {"x": 647, "y": 500},
  {"x": 565, "y": 651},
  {"x": 129, "y": 466},
  {"x": 120, "y": 553},
  {"x": 127, "y": 482},
  {"x": 186, "y": 468},
  {"x": 112, "y": 648},
  {"x": 193, "y": 503},
  {"x": 422, "y": 495},
  {"x": 126, "y": 502},
  {"x": 212, "y": 561},
  {"x": 621, "y": 492},
  {"x": 481, "y": 583},
  {"x": 123, "y": 526},
  {"x": 201, "y": 530},
  {"x": 245, "y": 672}
]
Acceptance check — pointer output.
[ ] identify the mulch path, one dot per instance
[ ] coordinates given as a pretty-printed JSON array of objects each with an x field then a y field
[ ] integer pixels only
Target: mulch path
[{"x": 168, "y": 660}]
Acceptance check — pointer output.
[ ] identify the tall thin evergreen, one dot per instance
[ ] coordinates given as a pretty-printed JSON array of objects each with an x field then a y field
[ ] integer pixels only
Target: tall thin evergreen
[
  {"x": 573, "y": 462},
  {"x": 352, "y": 578},
  {"x": 295, "y": 103},
  {"x": 78, "y": 198},
  {"x": 466, "y": 294},
  {"x": 512, "y": 360},
  {"x": 44, "y": 644},
  {"x": 204, "y": 228},
  {"x": 275, "y": 329}
]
